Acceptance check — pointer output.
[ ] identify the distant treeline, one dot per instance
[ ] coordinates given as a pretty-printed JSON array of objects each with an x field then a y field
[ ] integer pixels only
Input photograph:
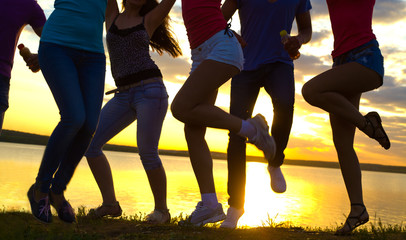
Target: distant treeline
[{"x": 29, "y": 138}]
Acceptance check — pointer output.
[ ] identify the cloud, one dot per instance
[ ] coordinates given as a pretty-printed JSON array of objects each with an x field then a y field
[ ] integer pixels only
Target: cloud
[
  {"x": 389, "y": 97},
  {"x": 310, "y": 65},
  {"x": 389, "y": 11},
  {"x": 173, "y": 69}
]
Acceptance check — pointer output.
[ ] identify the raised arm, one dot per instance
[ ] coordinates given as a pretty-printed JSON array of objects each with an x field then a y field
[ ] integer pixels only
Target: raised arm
[
  {"x": 155, "y": 17},
  {"x": 111, "y": 12},
  {"x": 228, "y": 9}
]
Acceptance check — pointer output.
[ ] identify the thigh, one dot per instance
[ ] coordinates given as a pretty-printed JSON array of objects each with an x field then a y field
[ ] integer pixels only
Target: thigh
[
  {"x": 114, "y": 117},
  {"x": 150, "y": 102},
  {"x": 60, "y": 72},
  {"x": 91, "y": 72},
  {"x": 348, "y": 79},
  {"x": 203, "y": 83},
  {"x": 245, "y": 87},
  {"x": 279, "y": 82}
]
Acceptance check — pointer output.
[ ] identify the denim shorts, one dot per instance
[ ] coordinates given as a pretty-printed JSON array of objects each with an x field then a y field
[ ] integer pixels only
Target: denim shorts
[
  {"x": 222, "y": 47},
  {"x": 368, "y": 55}
]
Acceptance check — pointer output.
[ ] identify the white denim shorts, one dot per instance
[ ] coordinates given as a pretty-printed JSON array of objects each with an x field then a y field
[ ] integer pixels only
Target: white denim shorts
[{"x": 222, "y": 47}]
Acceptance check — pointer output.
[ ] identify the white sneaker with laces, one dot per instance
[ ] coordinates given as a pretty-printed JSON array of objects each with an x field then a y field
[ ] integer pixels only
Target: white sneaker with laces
[
  {"x": 233, "y": 215},
  {"x": 202, "y": 215},
  {"x": 278, "y": 183},
  {"x": 262, "y": 140}
]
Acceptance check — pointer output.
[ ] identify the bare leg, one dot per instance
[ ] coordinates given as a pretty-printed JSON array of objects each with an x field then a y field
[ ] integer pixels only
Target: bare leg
[
  {"x": 328, "y": 90},
  {"x": 190, "y": 104},
  {"x": 343, "y": 137},
  {"x": 157, "y": 181},
  {"x": 100, "y": 168},
  {"x": 199, "y": 153}
]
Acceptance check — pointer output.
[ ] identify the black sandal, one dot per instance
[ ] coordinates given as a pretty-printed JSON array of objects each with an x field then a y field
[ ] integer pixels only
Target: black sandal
[
  {"x": 359, "y": 222},
  {"x": 373, "y": 124}
]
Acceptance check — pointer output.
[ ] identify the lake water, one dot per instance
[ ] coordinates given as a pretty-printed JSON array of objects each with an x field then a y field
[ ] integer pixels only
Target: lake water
[{"x": 315, "y": 197}]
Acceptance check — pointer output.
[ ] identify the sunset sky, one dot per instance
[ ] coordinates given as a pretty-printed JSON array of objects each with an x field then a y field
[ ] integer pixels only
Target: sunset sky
[{"x": 32, "y": 107}]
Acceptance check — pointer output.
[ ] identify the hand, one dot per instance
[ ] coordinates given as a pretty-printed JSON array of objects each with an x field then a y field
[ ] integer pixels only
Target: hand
[
  {"x": 242, "y": 42},
  {"x": 33, "y": 63},
  {"x": 293, "y": 44}
]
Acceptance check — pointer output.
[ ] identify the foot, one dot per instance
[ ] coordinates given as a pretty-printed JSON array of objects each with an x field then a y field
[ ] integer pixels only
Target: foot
[
  {"x": 63, "y": 207},
  {"x": 108, "y": 210},
  {"x": 158, "y": 216},
  {"x": 373, "y": 129},
  {"x": 357, "y": 217},
  {"x": 202, "y": 215},
  {"x": 262, "y": 140},
  {"x": 40, "y": 209},
  {"x": 233, "y": 215},
  {"x": 278, "y": 183}
]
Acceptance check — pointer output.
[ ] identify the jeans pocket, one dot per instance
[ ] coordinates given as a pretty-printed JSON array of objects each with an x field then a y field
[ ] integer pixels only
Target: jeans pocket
[{"x": 155, "y": 91}]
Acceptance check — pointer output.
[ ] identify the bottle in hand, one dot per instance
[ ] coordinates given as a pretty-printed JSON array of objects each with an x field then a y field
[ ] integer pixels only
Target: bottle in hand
[
  {"x": 26, "y": 54},
  {"x": 284, "y": 38}
]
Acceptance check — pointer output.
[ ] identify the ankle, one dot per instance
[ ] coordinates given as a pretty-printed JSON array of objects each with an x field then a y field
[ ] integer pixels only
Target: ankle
[
  {"x": 38, "y": 195},
  {"x": 56, "y": 199}
]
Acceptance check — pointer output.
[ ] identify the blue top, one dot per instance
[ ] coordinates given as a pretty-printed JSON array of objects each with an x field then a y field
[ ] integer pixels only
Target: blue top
[
  {"x": 261, "y": 23},
  {"x": 77, "y": 24}
]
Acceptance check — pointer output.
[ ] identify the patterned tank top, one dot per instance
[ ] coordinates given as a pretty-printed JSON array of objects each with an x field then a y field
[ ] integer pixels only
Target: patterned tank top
[{"x": 129, "y": 55}]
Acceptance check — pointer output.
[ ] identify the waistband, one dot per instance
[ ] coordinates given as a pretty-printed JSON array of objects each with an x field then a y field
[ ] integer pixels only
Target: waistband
[{"x": 142, "y": 82}]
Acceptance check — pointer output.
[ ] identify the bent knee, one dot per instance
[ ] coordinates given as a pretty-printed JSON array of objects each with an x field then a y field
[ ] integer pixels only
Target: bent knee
[
  {"x": 179, "y": 110},
  {"x": 308, "y": 93}
]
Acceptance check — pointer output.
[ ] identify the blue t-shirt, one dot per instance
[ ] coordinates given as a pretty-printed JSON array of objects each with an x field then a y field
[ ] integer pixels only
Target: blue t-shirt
[
  {"x": 261, "y": 23},
  {"x": 77, "y": 24}
]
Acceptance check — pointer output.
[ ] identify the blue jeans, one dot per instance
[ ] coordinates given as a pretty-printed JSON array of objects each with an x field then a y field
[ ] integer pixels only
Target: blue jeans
[
  {"x": 4, "y": 91},
  {"x": 76, "y": 80},
  {"x": 278, "y": 80},
  {"x": 148, "y": 105}
]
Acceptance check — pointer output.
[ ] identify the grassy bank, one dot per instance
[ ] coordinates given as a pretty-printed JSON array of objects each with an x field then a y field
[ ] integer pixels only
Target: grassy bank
[
  {"x": 22, "y": 225},
  {"x": 28, "y": 138}
]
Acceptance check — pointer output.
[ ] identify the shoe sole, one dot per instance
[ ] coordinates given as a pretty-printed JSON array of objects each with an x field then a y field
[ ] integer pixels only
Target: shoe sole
[
  {"x": 213, "y": 219},
  {"x": 379, "y": 121}
]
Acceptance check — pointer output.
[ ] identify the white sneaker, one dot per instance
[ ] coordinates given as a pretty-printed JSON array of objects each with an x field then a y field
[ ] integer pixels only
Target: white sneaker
[
  {"x": 262, "y": 140},
  {"x": 202, "y": 215},
  {"x": 158, "y": 217},
  {"x": 233, "y": 215},
  {"x": 278, "y": 183}
]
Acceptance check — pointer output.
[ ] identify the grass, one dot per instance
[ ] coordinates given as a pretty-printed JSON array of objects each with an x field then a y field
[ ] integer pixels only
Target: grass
[{"x": 15, "y": 225}]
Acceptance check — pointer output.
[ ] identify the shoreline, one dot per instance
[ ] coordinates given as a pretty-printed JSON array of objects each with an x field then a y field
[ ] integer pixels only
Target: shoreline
[{"x": 35, "y": 139}]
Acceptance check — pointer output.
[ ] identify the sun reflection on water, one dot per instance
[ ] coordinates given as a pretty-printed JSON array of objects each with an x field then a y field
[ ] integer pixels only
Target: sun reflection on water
[{"x": 315, "y": 197}]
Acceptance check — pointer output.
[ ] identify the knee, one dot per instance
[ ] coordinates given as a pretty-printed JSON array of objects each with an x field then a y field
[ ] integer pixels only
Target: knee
[
  {"x": 178, "y": 110},
  {"x": 150, "y": 161},
  {"x": 308, "y": 93},
  {"x": 3, "y": 108},
  {"x": 74, "y": 122}
]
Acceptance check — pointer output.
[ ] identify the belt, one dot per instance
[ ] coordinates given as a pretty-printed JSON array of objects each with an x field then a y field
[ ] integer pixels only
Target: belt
[{"x": 126, "y": 87}]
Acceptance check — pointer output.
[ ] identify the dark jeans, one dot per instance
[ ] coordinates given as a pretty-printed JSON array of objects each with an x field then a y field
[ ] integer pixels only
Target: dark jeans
[
  {"x": 278, "y": 81},
  {"x": 76, "y": 80},
  {"x": 4, "y": 91}
]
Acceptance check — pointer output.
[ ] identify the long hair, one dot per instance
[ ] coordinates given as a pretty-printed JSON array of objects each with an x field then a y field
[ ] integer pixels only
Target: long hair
[{"x": 162, "y": 39}]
